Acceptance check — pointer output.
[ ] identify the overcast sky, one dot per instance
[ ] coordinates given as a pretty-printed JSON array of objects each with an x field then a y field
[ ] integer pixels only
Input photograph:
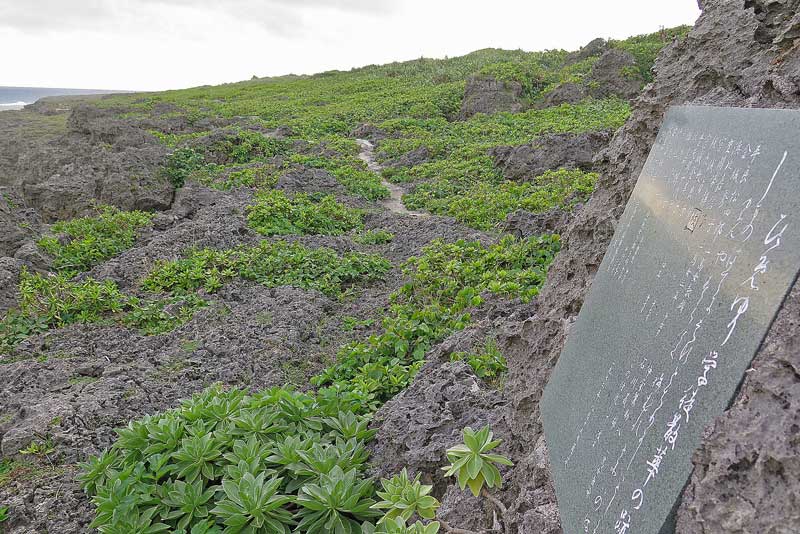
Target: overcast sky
[{"x": 164, "y": 44}]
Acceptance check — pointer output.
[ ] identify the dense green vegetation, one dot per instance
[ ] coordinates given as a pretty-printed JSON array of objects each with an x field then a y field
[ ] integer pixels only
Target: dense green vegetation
[
  {"x": 274, "y": 213},
  {"x": 414, "y": 102},
  {"x": 645, "y": 48},
  {"x": 278, "y": 459},
  {"x": 79, "y": 244},
  {"x": 444, "y": 282},
  {"x": 57, "y": 300},
  {"x": 484, "y": 204},
  {"x": 270, "y": 264}
]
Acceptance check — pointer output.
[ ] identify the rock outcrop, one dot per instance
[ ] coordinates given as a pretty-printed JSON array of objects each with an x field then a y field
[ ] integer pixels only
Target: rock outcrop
[
  {"x": 615, "y": 74},
  {"x": 595, "y": 47},
  {"x": 566, "y": 93},
  {"x": 554, "y": 151},
  {"x": 485, "y": 94},
  {"x": 96, "y": 158},
  {"x": 740, "y": 53}
]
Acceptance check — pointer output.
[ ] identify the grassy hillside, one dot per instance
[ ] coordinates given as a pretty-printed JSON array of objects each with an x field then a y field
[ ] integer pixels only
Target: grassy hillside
[{"x": 278, "y": 460}]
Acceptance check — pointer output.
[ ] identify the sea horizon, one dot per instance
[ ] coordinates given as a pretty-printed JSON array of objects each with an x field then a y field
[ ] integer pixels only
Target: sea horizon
[{"x": 14, "y": 97}]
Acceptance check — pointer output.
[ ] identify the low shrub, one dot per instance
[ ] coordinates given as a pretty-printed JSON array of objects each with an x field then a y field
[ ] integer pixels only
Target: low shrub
[
  {"x": 224, "y": 178},
  {"x": 88, "y": 241},
  {"x": 244, "y": 146},
  {"x": 56, "y": 301},
  {"x": 275, "y": 213},
  {"x": 181, "y": 163},
  {"x": 485, "y": 204}
]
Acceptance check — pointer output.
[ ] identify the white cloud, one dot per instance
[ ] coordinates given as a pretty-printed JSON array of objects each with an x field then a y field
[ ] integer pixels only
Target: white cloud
[{"x": 159, "y": 44}]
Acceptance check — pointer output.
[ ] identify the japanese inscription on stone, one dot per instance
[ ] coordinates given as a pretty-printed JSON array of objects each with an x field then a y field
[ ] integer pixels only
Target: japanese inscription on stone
[{"x": 702, "y": 258}]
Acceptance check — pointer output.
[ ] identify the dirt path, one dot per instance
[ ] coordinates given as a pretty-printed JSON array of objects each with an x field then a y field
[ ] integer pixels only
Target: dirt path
[{"x": 395, "y": 201}]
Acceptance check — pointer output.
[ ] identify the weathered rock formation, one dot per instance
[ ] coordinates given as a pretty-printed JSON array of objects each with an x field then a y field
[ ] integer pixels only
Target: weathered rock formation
[
  {"x": 485, "y": 94},
  {"x": 554, "y": 151},
  {"x": 595, "y": 47},
  {"x": 615, "y": 74},
  {"x": 96, "y": 158},
  {"x": 740, "y": 53}
]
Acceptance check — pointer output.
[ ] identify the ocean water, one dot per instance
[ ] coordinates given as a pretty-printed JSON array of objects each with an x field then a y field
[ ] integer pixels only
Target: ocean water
[{"x": 16, "y": 97}]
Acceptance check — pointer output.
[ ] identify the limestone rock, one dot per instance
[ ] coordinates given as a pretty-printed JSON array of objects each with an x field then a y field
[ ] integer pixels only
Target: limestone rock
[
  {"x": 554, "y": 151},
  {"x": 738, "y": 54},
  {"x": 615, "y": 74},
  {"x": 485, "y": 94}
]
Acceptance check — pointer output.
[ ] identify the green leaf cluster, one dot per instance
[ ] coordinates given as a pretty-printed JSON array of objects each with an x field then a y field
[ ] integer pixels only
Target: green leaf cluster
[
  {"x": 487, "y": 362},
  {"x": 56, "y": 300},
  {"x": 374, "y": 237},
  {"x": 275, "y": 213},
  {"x": 79, "y": 244},
  {"x": 472, "y": 463},
  {"x": 233, "y": 462},
  {"x": 244, "y": 146},
  {"x": 403, "y": 497},
  {"x": 181, "y": 164}
]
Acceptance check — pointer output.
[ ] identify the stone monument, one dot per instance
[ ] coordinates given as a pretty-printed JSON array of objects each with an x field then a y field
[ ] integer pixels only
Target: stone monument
[{"x": 702, "y": 258}]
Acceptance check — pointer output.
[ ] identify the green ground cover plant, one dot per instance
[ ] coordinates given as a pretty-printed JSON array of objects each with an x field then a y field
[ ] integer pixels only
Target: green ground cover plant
[
  {"x": 484, "y": 204},
  {"x": 56, "y": 301},
  {"x": 259, "y": 175},
  {"x": 348, "y": 170},
  {"x": 270, "y": 264},
  {"x": 487, "y": 361},
  {"x": 445, "y": 281},
  {"x": 238, "y": 159},
  {"x": 275, "y": 213},
  {"x": 181, "y": 164},
  {"x": 245, "y": 146},
  {"x": 79, "y": 244},
  {"x": 374, "y": 237}
]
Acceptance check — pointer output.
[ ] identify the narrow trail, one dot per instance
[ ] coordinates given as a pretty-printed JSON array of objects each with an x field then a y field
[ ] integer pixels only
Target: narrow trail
[{"x": 395, "y": 201}]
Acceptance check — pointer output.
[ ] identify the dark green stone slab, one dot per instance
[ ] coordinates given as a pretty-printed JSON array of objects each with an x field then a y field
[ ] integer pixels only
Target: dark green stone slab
[{"x": 701, "y": 260}]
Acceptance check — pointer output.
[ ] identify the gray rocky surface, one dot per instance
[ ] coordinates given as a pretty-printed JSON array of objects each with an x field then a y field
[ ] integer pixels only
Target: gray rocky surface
[
  {"x": 93, "y": 157},
  {"x": 553, "y": 151},
  {"x": 595, "y": 47},
  {"x": 485, "y": 94},
  {"x": 524, "y": 224},
  {"x": 566, "y": 93},
  {"x": 739, "y": 53},
  {"x": 615, "y": 74}
]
